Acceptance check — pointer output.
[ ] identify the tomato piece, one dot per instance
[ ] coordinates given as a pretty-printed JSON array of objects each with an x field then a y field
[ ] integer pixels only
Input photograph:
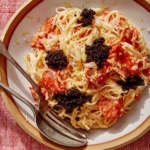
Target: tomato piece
[
  {"x": 102, "y": 75},
  {"x": 130, "y": 36},
  {"x": 77, "y": 28},
  {"x": 47, "y": 27},
  {"x": 122, "y": 56},
  {"x": 146, "y": 72},
  {"x": 119, "y": 55},
  {"x": 36, "y": 41},
  {"x": 111, "y": 109},
  {"x": 104, "y": 13},
  {"x": 50, "y": 81},
  {"x": 137, "y": 96},
  {"x": 42, "y": 33},
  {"x": 34, "y": 94}
]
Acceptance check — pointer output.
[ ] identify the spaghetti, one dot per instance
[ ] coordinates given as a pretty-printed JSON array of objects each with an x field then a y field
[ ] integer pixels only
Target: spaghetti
[{"x": 91, "y": 65}]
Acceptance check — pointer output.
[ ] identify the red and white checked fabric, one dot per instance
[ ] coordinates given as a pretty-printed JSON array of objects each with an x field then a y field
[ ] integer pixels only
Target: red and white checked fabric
[{"x": 12, "y": 137}]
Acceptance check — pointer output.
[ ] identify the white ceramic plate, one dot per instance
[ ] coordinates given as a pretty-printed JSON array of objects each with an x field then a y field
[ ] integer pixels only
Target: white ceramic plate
[{"x": 19, "y": 48}]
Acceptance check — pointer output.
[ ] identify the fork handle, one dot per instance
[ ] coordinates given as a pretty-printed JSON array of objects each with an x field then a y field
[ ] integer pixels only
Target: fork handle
[
  {"x": 13, "y": 61},
  {"x": 19, "y": 97}
]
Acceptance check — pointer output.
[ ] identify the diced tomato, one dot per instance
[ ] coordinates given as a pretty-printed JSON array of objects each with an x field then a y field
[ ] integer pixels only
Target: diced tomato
[
  {"x": 122, "y": 18},
  {"x": 134, "y": 33},
  {"x": 42, "y": 33},
  {"x": 127, "y": 36},
  {"x": 123, "y": 58},
  {"x": 50, "y": 81},
  {"x": 47, "y": 27},
  {"x": 102, "y": 75},
  {"x": 36, "y": 41},
  {"x": 120, "y": 55},
  {"x": 34, "y": 94},
  {"x": 83, "y": 33},
  {"x": 130, "y": 36},
  {"x": 77, "y": 28},
  {"x": 111, "y": 109},
  {"x": 135, "y": 45},
  {"x": 137, "y": 96},
  {"x": 105, "y": 12},
  {"x": 146, "y": 72},
  {"x": 110, "y": 18},
  {"x": 45, "y": 93}
]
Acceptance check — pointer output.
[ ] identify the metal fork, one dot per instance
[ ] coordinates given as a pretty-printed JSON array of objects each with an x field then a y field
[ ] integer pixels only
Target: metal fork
[{"x": 59, "y": 124}]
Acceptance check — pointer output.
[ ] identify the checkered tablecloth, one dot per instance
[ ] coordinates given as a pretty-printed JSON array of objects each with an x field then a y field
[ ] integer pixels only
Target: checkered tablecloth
[{"x": 12, "y": 137}]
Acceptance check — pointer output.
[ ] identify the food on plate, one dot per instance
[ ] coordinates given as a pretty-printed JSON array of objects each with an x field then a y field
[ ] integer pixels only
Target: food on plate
[{"x": 91, "y": 64}]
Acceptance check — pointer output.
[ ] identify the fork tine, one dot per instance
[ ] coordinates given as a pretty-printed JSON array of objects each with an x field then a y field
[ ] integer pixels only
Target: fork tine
[
  {"x": 66, "y": 125},
  {"x": 52, "y": 121},
  {"x": 60, "y": 127}
]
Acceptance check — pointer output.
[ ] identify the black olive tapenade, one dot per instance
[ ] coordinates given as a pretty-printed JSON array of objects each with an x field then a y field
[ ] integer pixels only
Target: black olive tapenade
[
  {"x": 87, "y": 17},
  {"x": 97, "y": 52},
  {"x": 56, "y": 59},
  {"x": 73, "y": 98},
  {"x": 131, "y": 82}
]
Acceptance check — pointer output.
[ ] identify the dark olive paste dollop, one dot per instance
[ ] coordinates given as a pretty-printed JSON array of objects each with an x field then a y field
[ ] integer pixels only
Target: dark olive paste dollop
[
  {"x": 71, "y": 99},
  {"x": 87, "y": 17},
  {"x": 131, "y": 82},
  {"x": 97, "y": 52},
  {"x": 56, "y": 59}
]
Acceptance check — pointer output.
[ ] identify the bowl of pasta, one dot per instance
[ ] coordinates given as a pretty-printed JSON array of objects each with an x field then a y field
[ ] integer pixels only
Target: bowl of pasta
[{"x": 91, "y": 61}]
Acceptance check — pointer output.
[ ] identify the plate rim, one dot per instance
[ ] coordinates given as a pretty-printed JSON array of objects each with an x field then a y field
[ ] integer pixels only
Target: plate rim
[{"x": 19, "y": 118}]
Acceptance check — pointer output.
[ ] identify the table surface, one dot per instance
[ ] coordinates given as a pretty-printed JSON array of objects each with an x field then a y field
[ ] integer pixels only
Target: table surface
[{"x": 12, "y": 137}]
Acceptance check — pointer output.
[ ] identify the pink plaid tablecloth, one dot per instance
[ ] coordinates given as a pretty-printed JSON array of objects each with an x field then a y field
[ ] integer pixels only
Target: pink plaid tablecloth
[{"x": 12, "y": 137}]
